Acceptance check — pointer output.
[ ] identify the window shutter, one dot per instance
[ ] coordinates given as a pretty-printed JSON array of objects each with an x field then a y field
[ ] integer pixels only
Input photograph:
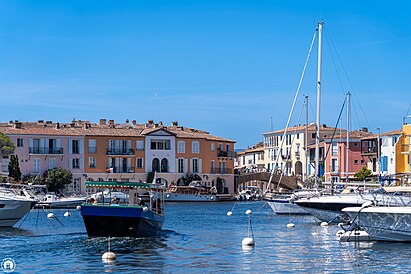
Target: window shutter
[
  {"x": 70, "y": 163},
  {"x": 70, "y": 146},
  {"x": 58, "y": 143},
  {"x": 81, "y": 160},
  {"x": 81, "y": 146},
  {"x": 31, "y": 142},
  {"x": 200, "y": 169}
]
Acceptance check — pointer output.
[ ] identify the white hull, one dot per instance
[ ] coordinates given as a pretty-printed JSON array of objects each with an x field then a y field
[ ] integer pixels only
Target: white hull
[
  {"x": 325, "y": 215},
  {"x": 61, "y": 203},
  {"x": 383, "y": 223},
  {"x": 285, "y": 207},
  {"x": 12, "y": 210},
  {"x": 179, "y": 197}
]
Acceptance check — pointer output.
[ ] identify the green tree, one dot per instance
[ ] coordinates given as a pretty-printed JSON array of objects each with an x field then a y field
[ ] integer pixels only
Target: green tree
[
  {"x": 362, "y": 174},
  {"x": 7, "y": 146},
  {"x": 14, "y": 168},
  {"x": 57, "y": 179}
]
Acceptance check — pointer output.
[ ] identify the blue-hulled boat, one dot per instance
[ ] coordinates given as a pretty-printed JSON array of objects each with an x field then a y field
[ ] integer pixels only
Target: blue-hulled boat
[{"x": 142, "y": 215}]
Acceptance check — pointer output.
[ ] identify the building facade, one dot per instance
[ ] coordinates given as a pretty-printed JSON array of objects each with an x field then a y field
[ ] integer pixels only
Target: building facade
[{"x": 122, "y": 152}]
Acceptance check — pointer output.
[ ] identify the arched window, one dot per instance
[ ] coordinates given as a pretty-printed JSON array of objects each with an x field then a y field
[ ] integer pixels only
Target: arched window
[
  {"x": 164, "y": 165},
  {"x": 156, "y": 165}
]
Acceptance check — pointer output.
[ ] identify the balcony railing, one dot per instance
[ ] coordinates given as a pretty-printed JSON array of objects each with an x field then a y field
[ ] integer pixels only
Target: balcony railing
[
  {"x": 370, "y": 150},
  {"x": 221, "y": 170},
  {"x": 229, "y": 154},
  {"x": 286, "y": 157},
  {"x": 45, "y": 150},
  {"x": 128, "y": 151},
  {"x": 120, "y": 169}
]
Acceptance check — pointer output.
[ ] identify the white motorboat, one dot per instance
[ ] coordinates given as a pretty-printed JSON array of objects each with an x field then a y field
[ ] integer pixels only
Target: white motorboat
[
  {"x": 284, "y": 203},
  {"x": 194, "y": 192},
  {"x": 13, "y": 207},
  {"x": 383, "y": 223},
  {"x": 249, "y": 193},
  {"x": 51, "y": 200},
  {"x": 328, "y": 208}
]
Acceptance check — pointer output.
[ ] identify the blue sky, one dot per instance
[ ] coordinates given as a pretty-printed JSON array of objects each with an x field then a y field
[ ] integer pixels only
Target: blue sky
[{"x": 223, "y": 66}]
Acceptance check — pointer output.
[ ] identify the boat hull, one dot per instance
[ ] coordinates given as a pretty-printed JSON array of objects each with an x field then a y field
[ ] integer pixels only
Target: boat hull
[
  {"x": 391, "y": 224},
  {"x": 284, "y": 206},
  {"x": 11, "y": 211},
  {"x": 120, "y": 221},
  {"x": 179, "y": 197},
  {"x": 60, "y": 204}
]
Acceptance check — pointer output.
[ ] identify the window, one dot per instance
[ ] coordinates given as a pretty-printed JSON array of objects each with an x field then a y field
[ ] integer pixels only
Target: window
[
  {"x": 220, "y": 147},
  {"x": 356, "y": 162},
  {"x": 91, "y": 162},
  {"x": 155, "y": 165},
  {"x": 228, "y": 147},
  {"x": 52, "y": 163},
  {"x": 92, "y": 148},
  {"x": 75, "y": 163},
  {"x": 36, "y": 165},
  {"x": 180, "y": 165},
  {"x": 195, "y": 166},
  {"x": 164, "y": 165},
  {"x": 362, "y": 162},
  {"x": 140, "y": 145},
  {"x": 195, "y": 147},
  {"x": 75, "y": 147},
  {"x": 212, "y": 146},
  {"x": 139, "y": 163},
  {"x": 243, "y": 160},
  {"x": 212, "y": 167},
  {"x": 181, "y": 147},
  {"x": 356, "y": 144},
  {"x": 19, "y": 142},
  {"x": 313, "y": 135},
  {"x": 334, "y": 149},
  {"x": 394, "y": 140},
  {"x": 298, "y": 136},
  {"x": 159, "y": 144}
]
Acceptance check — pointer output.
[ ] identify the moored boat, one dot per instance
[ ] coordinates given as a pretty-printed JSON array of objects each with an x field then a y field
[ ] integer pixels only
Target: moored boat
[
  {"x": 194, "y": 192},
  {"x": 13, "y": 207},
  {"x": 132, "y": 219},
  {"x": 51, "y": 200}
]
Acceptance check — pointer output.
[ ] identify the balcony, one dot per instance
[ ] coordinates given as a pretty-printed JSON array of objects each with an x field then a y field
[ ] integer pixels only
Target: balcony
[
  {"x": 286, "y": 157},
  {"x": 119, "y": 169},
  {"x": 229, "y": 154},
  {"x": 45, "y": 150},
  {"x": 125, "y": 151},
  {"x": 221, "y": 171},
  {"x": 334, "y": 170},
  {"x": 369, "y": 151}
]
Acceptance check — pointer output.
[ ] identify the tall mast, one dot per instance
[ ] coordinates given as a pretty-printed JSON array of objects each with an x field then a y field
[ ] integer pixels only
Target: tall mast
[
  {"x": 306, "y": 141},
  {"x": 348, "y": 139},
  {"x": 317, "y": 137}
]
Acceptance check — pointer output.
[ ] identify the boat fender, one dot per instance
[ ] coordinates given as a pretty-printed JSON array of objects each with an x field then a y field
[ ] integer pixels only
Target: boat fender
[
  {"x": 229, "y": 213},
  {"x": 248, "y": 212},
  {"x": 50, "y": 215},
  {"x": 145, "y": 209}
]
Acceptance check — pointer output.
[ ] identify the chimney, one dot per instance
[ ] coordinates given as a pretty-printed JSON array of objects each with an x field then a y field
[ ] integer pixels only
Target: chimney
[
  {"x": 103, "y": 122},
  {"x": 160, "y": 123},
  {"x": 17, "y": 125},
  {"x": 174, "y": 123},
  {"x": 127, "y": 121},
  {"x": 134, "y": 122},
  {"x": 57, "y": 125},
  {"x": 365, "y": 129},
  {"x": 111, "y": 122},
  {"x": 150, "y": 122}
]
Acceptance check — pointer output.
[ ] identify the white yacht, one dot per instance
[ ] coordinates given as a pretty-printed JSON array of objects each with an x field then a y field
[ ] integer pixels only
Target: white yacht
[
  {"x": 51, "y": 200},
  {"x": 284, "y": 203},
  {"x": 383, "y": 223},
  {"x": 13, "y": 207}
]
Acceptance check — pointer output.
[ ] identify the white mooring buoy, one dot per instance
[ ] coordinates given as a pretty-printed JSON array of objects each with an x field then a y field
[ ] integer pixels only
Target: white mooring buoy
[
  {"x": 109, "y": 256},
  {"x": 145, "y": 209},
  {"x": 324, "y": 224},
  {"x": 78, "y": 207},
  {"x": 249, "y": 240},
  {"x": 50, "y": 215},
  {"x": 230, "y": 213},
  {"x": 290, "y": 225},
  {"x": 67, "y": 214}
]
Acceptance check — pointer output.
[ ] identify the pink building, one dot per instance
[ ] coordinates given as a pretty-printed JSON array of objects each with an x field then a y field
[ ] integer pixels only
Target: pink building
[
  {"x": 335, "y": 167},
  {"x": 41, "y": 146}
]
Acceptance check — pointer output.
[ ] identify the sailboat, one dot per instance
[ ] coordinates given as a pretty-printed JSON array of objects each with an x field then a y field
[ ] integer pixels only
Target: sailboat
[{"x": 284, "y": 203}]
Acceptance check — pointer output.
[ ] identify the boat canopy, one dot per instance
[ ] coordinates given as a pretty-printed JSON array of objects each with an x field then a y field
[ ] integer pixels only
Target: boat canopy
[{"x": 123, "y": 185}]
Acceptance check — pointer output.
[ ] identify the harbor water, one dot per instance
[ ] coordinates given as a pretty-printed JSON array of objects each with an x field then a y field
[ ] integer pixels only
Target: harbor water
[{"x": 199, "y": 238}]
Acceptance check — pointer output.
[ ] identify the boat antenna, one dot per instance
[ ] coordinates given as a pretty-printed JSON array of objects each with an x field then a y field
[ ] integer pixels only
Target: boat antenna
[{"x": 291, "y": 112}]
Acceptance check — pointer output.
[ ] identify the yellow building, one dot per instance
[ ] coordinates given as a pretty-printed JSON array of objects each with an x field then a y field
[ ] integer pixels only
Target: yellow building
[{"x": 403, "y": 153}]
